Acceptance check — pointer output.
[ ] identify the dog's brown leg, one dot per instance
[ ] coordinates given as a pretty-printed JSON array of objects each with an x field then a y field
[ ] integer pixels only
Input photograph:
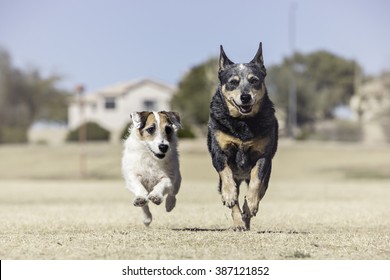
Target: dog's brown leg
[
  {"x": 252, "y": 197},
  {"x": 146, "y": 215},
  {"x": 245, "y": 216},
  {"x": 228, "y": 188},
  {"x": 257, "y": 187},
  {"x": 238, "y": 223}
]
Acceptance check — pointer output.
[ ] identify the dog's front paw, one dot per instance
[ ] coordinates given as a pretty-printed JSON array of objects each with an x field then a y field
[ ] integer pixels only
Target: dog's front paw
[
  {"x": 229, "y": 199},
  {"x": 239, "y": 224},
  {"x": 170, "y": 202},
  {"x": 155, "y": 198},
  {"x": 140, "y": 201},
  {"x": 240, "y": 227}
]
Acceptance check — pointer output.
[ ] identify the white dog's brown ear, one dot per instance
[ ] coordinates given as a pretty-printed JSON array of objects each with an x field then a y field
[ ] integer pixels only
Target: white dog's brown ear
[
  {"x": 174, "y": 119},
  {"x": 139, "y": 119}
]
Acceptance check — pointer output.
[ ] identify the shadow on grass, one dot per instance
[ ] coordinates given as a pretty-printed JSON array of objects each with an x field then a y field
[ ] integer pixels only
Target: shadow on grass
[
  {"x": 281, "y": 231},
  {"x": 200, "y": 229},
  {"x": 229, "y": 229}
]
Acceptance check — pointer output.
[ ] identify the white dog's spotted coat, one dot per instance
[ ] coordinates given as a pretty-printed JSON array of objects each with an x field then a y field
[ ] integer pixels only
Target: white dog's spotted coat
[{"x": 150, "y": 162}]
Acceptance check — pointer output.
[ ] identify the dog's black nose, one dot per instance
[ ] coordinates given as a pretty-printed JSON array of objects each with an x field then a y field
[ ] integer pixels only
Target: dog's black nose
[
  {"x": 245, "y": 98},
  {"x": 163, "y": 148}
]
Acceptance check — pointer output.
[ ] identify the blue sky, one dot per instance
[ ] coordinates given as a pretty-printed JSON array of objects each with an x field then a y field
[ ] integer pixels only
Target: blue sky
[{"x": 99, "y": 43}]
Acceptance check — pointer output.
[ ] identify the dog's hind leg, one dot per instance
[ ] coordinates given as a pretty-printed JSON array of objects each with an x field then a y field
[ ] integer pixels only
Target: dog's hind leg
[
  {"x": 238, "y": 223},
  {"x": 245, "y": 216},
  {"x": 258, "y": 185},
  {"x": 170, "y": 201},
  {"x": 146, "y": 215}
]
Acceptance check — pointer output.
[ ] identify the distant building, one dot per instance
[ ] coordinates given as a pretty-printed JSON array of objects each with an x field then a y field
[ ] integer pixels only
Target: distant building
[
  {"x": 110, "y": 107},
  {"x": 371, "y": 105}
]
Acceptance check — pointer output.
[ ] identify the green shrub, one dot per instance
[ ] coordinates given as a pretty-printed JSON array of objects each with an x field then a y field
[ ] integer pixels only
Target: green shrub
[
  {"x": 94, "y": 132},
  {"x": 186, "y": 132},
  {"x": 13, "y": 134}
]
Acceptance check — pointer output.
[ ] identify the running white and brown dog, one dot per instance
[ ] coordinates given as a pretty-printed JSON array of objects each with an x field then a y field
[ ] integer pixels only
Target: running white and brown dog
[{"x": 150, "y": 162}]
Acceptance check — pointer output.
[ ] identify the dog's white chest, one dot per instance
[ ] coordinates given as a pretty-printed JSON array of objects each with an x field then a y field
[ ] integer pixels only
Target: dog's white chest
[{"x": 144, "y": 167}]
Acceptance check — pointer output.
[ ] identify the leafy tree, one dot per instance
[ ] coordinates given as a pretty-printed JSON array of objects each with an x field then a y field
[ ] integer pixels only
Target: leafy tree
[
  {"x": 323, "y": 81},
  {"x": 194, "y": 93},
  {"x": 25, "y": 97}
]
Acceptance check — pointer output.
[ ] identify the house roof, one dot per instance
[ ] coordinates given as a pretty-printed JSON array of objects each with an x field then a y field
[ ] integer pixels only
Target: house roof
[{"x": 123, "y": 88}]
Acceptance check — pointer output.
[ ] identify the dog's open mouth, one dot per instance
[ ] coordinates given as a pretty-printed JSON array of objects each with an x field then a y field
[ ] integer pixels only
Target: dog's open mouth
[
  {"x": 159, "y": 156},
  {"x": 244, "y": 109}
]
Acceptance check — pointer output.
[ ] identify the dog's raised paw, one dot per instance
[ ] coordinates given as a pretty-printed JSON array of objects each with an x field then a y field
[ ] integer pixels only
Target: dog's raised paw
[
  {"x": 140, "y": 201},
  {"x": 155, "y": 198},
  {"x": 229, "y": 199}
]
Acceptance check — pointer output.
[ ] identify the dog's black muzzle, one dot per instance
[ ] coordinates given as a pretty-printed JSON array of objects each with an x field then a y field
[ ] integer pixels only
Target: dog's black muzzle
[{"x": 246, "y": 99}]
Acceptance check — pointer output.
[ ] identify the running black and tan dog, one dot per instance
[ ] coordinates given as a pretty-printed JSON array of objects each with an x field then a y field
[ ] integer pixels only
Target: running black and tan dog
[{"x": 242, "y": 135}]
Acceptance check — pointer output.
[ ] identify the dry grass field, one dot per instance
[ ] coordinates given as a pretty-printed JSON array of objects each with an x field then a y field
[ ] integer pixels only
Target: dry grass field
[{"x": 325, "y": 201}]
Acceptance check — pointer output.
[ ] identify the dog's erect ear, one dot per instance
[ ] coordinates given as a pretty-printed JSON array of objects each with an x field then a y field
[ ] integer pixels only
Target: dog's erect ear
[
  {"x": 258, "y": 59},
  {"x": 259, "y": 56},
  {"x": 174, "y": 119},
  {"x": 139, "y": 119},
  {"x": 223, "y": 60}
]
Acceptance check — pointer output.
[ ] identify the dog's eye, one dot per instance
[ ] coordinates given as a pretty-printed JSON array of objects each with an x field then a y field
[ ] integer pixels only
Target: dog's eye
[
  {"x": 234, "y": 82},
  {"x": 151, "y": 129},
  {"x": 168, "y": 130},
  {"x": 253, "y": 80}
]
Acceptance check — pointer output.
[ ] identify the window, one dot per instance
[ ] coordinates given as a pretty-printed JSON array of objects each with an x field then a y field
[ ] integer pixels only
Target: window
[
  {"x": 109, "y": 103},
  {"x": 150, "y": 105}
]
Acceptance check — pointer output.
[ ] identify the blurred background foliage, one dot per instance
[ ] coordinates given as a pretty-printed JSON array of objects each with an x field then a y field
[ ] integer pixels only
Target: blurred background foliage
[
  {"x": 26, "y": 97},
  {"x": 93, "y": 132},
  {"x": 193, "y": 96},
  {"x": 323, "y": 82}
]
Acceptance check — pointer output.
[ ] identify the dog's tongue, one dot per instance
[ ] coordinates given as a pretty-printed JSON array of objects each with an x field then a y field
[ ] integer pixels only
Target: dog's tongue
[{"x": 246, "y": 108}]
